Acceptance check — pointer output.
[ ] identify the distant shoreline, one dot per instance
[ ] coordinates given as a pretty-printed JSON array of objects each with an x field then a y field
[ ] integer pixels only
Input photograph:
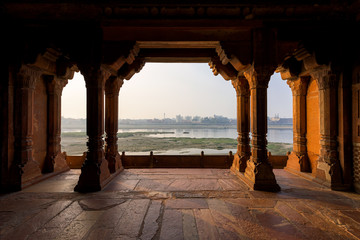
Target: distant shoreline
[{"x": 176, "y": 126}]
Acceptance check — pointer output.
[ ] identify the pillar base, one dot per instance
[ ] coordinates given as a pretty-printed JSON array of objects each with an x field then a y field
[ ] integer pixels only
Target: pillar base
[
  {"x": 239, "y": 162},
  {"x": 60, "y": 163},
  {"x": 31, "y": 170},
  {"x": 114, "y": 162},
  {"x": 331, "y": 175},
  {"x": 298, "y": 162},
  {"x": 261, "y": 177},
  {"x": 93, "y": 177}
]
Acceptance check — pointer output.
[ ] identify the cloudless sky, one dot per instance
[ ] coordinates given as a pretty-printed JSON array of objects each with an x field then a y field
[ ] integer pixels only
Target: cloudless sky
[{"x": 189, "y": 89}]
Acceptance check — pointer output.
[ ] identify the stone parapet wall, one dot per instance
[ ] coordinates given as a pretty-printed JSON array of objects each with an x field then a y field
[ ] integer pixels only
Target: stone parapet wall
[{"x": 356, "y": 152}]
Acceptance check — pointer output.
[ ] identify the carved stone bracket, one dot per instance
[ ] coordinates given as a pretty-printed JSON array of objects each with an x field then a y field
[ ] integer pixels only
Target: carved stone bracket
[
  {"x": 129, "y": 70},
  {"x": 226, "y": 58},
  {"x": 225, "y": 70},
  {"x": 127, "y": 58},
  {"x": 290, "y": 69}
]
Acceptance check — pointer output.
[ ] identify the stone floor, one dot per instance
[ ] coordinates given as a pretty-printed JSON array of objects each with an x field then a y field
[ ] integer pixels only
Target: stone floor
[{"x": 179, "y": 204}]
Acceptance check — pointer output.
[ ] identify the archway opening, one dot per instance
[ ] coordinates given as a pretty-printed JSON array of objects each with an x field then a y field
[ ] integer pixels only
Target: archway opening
[
  {"x": 177, "y": 108},
  {"x": 73, "y": 117},
  {"x": 280, "y": 116}
]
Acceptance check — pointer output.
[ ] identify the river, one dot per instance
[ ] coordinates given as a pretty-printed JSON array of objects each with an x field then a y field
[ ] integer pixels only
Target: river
[{"x": 279, "y": 135}]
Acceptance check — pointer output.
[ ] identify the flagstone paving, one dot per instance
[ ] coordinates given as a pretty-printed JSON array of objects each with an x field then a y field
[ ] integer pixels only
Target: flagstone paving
[{"x": 179, "y": 204}]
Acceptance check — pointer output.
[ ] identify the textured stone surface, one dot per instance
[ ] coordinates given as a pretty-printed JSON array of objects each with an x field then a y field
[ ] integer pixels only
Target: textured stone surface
[{"x": 173, "y": 204}]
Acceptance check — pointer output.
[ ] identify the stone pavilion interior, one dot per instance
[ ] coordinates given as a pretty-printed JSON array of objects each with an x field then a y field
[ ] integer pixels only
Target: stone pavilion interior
[{"x": 314, "y": 45}]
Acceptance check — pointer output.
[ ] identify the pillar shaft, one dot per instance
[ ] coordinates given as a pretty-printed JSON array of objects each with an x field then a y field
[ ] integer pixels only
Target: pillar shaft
[
  {"x": 94, "y": 171},
  {"x": 112, "y": 88},
  {"x": 54, "y": 91},
  {"x": 243, "y": 123},
  {"x": 298, "y": 159},
  {"x": 328, "y": 168},
  {"x": 259, "y": 171},
  {"x": 27, "y": 167}
]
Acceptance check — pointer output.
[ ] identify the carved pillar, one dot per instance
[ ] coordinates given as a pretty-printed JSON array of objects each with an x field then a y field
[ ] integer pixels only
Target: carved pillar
[
  {"x": 27, "y": 167},
  {"x": 328, "y": 167},
  {"x": 112, "y": 88},
  {"x": 94, "y": 171},
  {"x": 258, "y": 171},
  {"x": 243, "y": 123},
  {"x": 298, "y": 159},
  {"x": 54, "y": 160}
]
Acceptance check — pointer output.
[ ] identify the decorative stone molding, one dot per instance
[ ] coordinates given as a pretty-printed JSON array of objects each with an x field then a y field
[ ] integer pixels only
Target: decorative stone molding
[
  {"x": 241, "y": 86},
  {"x": 55, "y": 85},
  {"x": 299, "y": 86},
  {"x": 325, "y": 80},
  {"x": 27, "y": 76},
  {"x": 258, "y": 78},
  {"x": 95, "y": 77},
  {"x": 113, "y": 85}
]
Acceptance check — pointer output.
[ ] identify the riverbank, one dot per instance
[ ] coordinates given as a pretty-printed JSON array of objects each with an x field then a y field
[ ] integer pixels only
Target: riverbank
[{"x": 75, "y": 143}]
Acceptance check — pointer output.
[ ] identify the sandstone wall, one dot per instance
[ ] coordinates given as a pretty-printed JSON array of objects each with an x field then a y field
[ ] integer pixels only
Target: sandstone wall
[
  {"x": 40, "y": 122},
  {"x": 313, "y": 124},
  {"x": 356, "y": 134}
]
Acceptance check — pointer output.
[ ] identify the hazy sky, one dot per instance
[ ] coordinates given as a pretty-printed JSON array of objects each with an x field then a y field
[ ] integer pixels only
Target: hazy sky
[{"x": 189, "y": 89}]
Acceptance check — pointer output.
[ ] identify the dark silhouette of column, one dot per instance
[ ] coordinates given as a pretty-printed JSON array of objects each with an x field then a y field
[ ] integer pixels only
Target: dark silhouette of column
[
  {"x": 243, "y": 123},
  {"x": 25, "y": 166},
  {"x": 328, "y": 167},
  {"x": 112, "y": 88},
  {"x": 259, "y": 172},
  {"x": 94, "y": 171},
  {"x": 54, "y": 160},
  {"x": 298, "y": 159}
]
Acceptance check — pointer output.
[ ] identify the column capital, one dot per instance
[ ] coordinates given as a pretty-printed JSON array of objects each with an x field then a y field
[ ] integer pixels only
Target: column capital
[
  {"x": 241, "y": 86},
  {"x": 113, "y": 85},
  {"x": 27, "y": 76},
  {"x": 325, "y": 78},
  {"x": 55, "y": 84},
  {"x": 299, "y": 86},
  {"x": 94, "y": 76},
  {"x": 258, "y": 77}
]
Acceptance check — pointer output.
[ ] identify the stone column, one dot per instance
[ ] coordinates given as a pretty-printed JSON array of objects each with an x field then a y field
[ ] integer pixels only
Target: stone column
[
  {"x": 94, "y": 171},
  {"x": 328, "y": 167},
  {"x": 26, "y": 83},
  {"x": 54, "y": 160},
  {"x": 243, "y": 123},
  {"x": 112, "y": 88},
  {"x": 298, "y": 159},
  {"x": 258, "y": 171}
]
